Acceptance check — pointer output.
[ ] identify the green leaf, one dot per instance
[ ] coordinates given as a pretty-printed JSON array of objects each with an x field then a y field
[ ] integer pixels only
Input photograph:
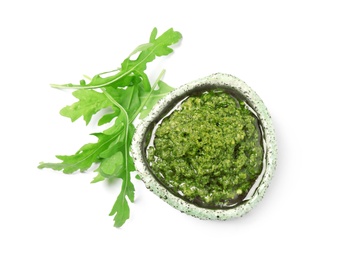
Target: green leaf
[
  {"x": 120, "y": 209},
  {"x": 152, "y": 97},
  {"x": 140, "y": 48},
  {"x": 90, "y": 102},
  {"x": 112, "y": 165},
  {"x": 118, "y": 125},
  {"x": 131, "y": 101},
  {"x": 160, "y": 47},
  {"x": 130, "y": 68},
  {"x": 114, "y": 147},
  {"x": 98, "y": 178},
  {"x": 153, "y": 35},
  {"x": 127, "y": 92},
  {"x": 84, "y": 157},
  {"x": 107, "y": 118}
]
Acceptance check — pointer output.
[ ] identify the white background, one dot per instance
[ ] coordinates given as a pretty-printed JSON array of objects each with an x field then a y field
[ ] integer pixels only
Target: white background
[{"x": 287, "y": 51}]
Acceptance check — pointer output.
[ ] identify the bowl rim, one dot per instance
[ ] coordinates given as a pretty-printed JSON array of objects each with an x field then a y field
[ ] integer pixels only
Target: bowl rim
[{"x": 220, "y": 80}]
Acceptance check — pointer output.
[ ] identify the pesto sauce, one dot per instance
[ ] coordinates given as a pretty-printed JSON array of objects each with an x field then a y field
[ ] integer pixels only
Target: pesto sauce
[{"x": 208, "y": 150}]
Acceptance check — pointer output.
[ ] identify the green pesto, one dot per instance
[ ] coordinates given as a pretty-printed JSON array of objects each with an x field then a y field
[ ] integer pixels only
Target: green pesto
[{"x": 209, "y": 150}]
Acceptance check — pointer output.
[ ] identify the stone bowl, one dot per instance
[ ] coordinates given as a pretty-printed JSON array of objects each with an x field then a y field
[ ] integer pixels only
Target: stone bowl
[{"x": 233, "y": 86}]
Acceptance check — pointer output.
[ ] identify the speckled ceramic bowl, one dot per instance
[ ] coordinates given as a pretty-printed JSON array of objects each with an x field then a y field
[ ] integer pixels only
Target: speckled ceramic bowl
[{"x": 234, "y": 86}]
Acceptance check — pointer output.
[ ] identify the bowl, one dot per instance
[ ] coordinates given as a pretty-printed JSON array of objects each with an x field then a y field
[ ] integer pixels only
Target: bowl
[{"x": 236, "y": 88}]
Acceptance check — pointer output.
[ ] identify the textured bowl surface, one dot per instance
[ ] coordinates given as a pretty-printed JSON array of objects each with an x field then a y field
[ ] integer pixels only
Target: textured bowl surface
[{"x": 233, "y": 85}]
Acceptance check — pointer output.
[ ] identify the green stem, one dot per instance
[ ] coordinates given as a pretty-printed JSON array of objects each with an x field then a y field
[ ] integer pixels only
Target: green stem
[
  {"x": 117, "y": 76},
  {"x": 126, "y": 148}
]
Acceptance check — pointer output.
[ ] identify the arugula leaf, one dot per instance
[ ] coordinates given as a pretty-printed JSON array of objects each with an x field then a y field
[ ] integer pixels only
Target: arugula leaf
[
  {"x": 120, "y": 208},
  {"x": 108, "y": 117},
  {"x": 85, "y": 156},
  {"x": 157, "y": 47},
  {"x": 151, "y": 100},
  {"x": 127, "y": 94},
  {"x": 148, "y": 52},
  {"x": 90, "y": 102}
]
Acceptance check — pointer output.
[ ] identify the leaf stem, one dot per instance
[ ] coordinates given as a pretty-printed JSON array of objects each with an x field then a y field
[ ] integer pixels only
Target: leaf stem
[{"x": 126, "y": 148}]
